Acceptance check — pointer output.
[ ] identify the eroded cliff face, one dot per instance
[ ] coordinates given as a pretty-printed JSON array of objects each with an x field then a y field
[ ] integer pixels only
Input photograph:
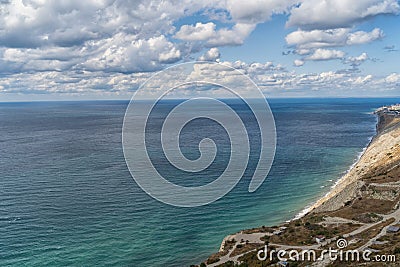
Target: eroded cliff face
[
  {"x": 385, "y": 121},
  {"x": 380, "y": 163}
]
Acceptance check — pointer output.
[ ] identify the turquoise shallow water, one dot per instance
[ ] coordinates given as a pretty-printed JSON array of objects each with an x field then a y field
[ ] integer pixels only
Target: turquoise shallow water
[{"x": 67, "y": 198}]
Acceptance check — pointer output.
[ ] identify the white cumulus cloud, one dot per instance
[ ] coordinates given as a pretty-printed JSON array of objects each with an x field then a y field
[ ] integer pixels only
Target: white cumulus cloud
[
  {"x": 211, "y": 55},
  {"x": 356, "y": 61},
  {"x": 362, "y": 37},
  {"x": 331, "y": 14},
  {"x": 256, "y": 11},
  {"x": 393, "y": 78},
  {"x": 126, "y": 53},
  {"x": 331, "y": 38},
  {"x": 326, "y": 54},
  {"x": 198, "y": 32},
  {"x": 212, "y": 37},
  {"x": 298, "y": 63}
]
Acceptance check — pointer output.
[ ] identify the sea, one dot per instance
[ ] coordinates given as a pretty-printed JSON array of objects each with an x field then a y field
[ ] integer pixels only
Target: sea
[{"x": 67, "y": 197}]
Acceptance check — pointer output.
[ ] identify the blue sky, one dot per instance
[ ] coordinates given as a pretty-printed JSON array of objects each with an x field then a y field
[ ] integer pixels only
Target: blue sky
[{"x": 105, "y": 49}]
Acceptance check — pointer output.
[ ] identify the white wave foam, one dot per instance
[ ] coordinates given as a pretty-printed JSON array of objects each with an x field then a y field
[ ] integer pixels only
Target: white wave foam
[{"x": 308, "y": 208}]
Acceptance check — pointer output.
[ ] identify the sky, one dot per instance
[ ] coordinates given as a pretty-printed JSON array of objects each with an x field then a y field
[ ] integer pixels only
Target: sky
[{"x": 105, "y": 49}]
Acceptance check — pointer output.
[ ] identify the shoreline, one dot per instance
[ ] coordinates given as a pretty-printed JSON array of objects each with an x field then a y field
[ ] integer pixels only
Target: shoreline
[
  {"x": 334, "y": 188},
  {"x": 366, "y": 195},
  {"x": 337, "y": 187}
]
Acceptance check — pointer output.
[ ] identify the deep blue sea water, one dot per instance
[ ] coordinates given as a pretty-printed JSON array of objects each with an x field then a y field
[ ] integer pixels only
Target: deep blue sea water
[{"x": 67, "y": 197}]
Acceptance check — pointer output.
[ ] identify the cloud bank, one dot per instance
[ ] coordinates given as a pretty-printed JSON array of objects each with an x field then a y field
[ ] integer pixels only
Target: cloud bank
[{"x": 111, "y": 46}]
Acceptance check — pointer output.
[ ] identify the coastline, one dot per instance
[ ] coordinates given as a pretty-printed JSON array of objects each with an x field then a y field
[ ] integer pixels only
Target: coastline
[
  {"x": 365, "y": 196},
  {"x": 370, "y": 157},
  {"x": 344, "y": 180},
  {"x": 341, "y": 183},
  {"x": 335, "y": 187}
]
